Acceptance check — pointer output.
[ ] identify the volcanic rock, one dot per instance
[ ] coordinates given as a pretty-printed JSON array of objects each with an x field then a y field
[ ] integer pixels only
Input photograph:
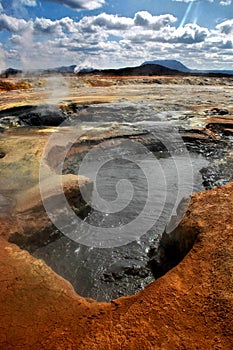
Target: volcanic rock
[
  {"x": 222, "y": 124},
  {"x": 32, "y": 116}
]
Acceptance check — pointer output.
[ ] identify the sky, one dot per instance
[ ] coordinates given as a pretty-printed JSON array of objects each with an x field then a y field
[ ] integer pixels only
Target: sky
[{"x": 115, "y": 33}]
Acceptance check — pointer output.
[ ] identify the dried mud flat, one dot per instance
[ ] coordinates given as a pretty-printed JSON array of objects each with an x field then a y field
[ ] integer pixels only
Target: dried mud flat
[
  {"x": 98, "y": 89},
  {"x": 190, "y": 307}
]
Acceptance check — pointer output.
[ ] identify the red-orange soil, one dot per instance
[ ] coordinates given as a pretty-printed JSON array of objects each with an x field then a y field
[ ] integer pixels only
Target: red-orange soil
[{"x": 188, "y": 308}]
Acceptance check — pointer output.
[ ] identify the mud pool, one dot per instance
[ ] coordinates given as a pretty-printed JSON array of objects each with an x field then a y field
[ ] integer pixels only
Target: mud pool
[{"x": 107, "y": 273}]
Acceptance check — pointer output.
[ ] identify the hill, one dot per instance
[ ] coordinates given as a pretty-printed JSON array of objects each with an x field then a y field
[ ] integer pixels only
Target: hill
[
  {"x": 171, "y": 64},
  {"x": 147, "y": 70}
]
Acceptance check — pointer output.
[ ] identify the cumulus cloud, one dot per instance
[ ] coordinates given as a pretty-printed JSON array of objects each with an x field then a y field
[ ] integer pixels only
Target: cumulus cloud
[
  {"x": 68, "y": 24},
  {"x": 112, "y": 22},
  {"x": 46, "y": 26},
  {"x": 109, "y": 40},
  {"x": 190, "y": 34},
  {"x": 145, "y": 19},
  {"x": 226, "y": 27},
  {"x": 215, "y": 43},
  {"x": 40, "y": 26},
  {"x": 12, "y": 24}
]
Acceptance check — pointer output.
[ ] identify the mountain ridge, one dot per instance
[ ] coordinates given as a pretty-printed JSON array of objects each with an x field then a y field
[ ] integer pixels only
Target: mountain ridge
[
  {"x": 147, "y": 68},
  {"x": 171, "y": 64},
  {"x": 174, "y": 64}
]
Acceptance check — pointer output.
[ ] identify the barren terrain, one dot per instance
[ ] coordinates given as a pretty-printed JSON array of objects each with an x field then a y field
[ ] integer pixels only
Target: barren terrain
[{"x": 190, "y": 305}]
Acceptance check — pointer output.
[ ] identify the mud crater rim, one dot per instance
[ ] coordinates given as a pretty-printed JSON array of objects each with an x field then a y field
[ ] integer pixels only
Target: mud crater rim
[{"x": 159, "y": 263}]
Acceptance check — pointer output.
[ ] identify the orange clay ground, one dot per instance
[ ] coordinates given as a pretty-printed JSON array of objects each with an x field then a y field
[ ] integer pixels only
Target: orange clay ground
[{"x": 188, "y": 308}]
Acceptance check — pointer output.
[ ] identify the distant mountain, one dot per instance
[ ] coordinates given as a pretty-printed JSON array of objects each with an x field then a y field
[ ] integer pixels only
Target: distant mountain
[
  {"x": 147, "y": 70},
  {"x": 10, "y": 72},
  {"x": 172, "y": 64},
  {"x": 177, "y": 65},
  {"x": 213, "y": 71},
  {"x": 63, "y": 69}
]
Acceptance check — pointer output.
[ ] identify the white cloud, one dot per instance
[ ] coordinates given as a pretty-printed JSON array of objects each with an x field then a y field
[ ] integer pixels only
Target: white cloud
[
  {"x": 112, "y": 22},
  {"x": 111, "y": 41},
  {"x": 30, "y": 3},
  {"x": 226, "y": 27},
  {"x": 80, "y": 4},
  {"x": 145, "y": 19},
  {"x": 225, "y": 2},
  {"x": 68, "y": 24},
  {"x": 142, "y": 21},
  {"x": 46, "y": 26},
  {"x": 12, "y": 24},
  {"x": 19, "y": 6},
  {"x": 190, "y": 34}
]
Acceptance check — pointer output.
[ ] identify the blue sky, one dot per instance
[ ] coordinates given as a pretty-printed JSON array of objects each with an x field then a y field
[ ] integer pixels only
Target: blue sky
[{"x": 107, "y": 33}]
